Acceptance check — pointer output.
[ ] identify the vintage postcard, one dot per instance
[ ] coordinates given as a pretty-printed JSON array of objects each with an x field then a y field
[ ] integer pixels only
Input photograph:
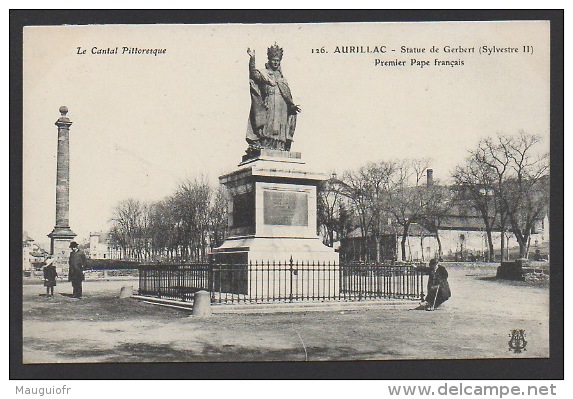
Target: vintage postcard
[{"x": 286, "y": 192}]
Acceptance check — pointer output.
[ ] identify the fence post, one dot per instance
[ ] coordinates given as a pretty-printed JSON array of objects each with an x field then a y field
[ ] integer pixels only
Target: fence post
[
  {"x": 159, "y": 277},
  {"x": 211, "y": 280},
  {"x": 291, "y": 272},
  {"x": 421, "y": 279},
  {"x": 340, "y": 271}
]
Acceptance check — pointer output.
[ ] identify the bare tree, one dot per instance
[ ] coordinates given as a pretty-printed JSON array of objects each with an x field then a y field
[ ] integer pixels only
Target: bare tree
[
  {"x": 345, "y": 219},
  {"x": 163, "y": 229},
  {"x": 474, "y": 182},
  {"x": 407, "y": 197},
  {"x": 126, "y": 221},
  {"x": 192, "y": 201},
  {"x": 379, "y": 183},
  {"x": 522, "y": 180},
  {"x": 329, "y": 198},
  {"x": 439, "y": 201},
  {"x": 218, "y": 219},
  {"x": 355, "y": 187},
  {"x": 368, "y": 189},
  {"x": 181, "y": 227}
]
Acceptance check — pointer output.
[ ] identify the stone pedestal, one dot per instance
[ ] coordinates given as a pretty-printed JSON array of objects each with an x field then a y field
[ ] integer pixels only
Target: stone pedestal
[
  {"x": 272, "y": 211},
  {"x": 60, "y": 250},
  {"x": 512, "y": 270},
  {"x": 202, "y": 304}
]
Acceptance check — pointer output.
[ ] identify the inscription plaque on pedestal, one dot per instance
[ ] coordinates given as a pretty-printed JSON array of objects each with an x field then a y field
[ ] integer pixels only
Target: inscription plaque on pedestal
[{"x": 285, "y": 208}]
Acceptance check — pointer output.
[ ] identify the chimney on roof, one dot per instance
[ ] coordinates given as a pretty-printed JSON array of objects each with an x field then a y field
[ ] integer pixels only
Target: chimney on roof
[{"x": 429, "y": 177}]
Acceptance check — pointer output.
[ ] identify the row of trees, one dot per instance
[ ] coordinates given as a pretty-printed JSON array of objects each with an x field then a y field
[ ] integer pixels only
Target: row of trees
[
  {"x": 372, "y": 197},
  {"x": 503, "y": 179},
  {"x": 182, "y": 227},
  {"x": 507, "y": 182}
]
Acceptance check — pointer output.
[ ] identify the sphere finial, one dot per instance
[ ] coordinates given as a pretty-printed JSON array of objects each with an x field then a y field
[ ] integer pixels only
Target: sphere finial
[{"x": 63, "y": 110}]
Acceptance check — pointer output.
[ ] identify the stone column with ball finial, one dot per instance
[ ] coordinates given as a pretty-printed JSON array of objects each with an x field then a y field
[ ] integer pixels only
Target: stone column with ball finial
[{"x": 62, "y": 235}]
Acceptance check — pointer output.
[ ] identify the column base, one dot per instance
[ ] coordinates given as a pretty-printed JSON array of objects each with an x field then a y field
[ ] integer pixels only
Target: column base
[{"x": 60, "y": 239}]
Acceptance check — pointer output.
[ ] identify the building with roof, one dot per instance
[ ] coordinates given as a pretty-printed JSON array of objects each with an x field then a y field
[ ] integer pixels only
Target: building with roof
[
  {"x": 462, "y": 237},
  {"x": 101, "y": 246},
  {"x": 33, "y": 255},
  {"x": 461, "y": 232}
]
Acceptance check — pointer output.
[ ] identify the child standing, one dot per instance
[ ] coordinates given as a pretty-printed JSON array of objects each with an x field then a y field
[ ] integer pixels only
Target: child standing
[{"x": 50, "y": 275}]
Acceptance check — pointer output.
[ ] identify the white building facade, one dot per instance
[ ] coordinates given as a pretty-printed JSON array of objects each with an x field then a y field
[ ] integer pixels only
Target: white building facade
[{"x": 101, "y": 247}]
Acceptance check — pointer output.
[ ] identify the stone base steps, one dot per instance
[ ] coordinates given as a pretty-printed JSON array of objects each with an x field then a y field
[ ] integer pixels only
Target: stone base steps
[{"x": 287, "y": 307}]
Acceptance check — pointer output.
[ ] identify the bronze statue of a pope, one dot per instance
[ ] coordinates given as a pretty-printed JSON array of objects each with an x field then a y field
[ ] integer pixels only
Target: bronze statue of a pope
[{"x": 272, "y": 119}]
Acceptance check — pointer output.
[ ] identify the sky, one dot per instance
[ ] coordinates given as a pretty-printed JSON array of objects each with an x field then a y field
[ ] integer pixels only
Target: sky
[{"x": 143, "y": 123}]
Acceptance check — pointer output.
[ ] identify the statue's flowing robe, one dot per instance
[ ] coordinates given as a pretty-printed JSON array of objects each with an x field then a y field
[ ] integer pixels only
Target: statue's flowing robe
[{"x": 272, "y": 119}]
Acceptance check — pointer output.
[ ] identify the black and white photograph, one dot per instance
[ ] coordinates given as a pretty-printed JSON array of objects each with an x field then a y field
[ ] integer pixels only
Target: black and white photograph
[{"x": 218, "y": 193}]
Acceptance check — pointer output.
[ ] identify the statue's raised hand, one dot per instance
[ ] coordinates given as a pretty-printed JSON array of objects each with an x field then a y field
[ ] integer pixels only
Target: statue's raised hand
[
  {"x": 250, "y": 52},
  {"x": 295, "y": 109}
]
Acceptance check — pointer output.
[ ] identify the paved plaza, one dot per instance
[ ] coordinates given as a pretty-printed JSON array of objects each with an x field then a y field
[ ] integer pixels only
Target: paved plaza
[{"x": 475, "y": 323}]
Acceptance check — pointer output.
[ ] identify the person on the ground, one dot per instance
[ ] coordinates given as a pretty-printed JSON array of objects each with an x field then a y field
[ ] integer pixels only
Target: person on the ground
[
  {"x": 438, "y": 287},
  {"x": 78, "y": 263},
  {"x": 50, "y": 275}
]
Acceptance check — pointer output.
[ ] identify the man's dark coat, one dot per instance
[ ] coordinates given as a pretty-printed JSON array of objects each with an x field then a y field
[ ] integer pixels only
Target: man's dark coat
[{"x": 77, "y": 262}]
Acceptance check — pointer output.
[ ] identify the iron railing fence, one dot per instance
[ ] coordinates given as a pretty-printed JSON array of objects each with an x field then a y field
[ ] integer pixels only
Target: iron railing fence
[
  {"x": 264, "y": 282},
  {"x": 382, "y": 281},
  {"x": 275, "y": 282},
  {"x": 174, "y": 281}
]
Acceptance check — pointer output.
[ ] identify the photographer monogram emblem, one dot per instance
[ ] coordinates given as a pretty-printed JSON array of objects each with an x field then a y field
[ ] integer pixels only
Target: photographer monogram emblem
[{"x": 517, "y": 342}]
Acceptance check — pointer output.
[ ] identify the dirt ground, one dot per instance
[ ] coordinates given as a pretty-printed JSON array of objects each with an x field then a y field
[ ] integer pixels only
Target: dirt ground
[{"x": 474, "y": 323}]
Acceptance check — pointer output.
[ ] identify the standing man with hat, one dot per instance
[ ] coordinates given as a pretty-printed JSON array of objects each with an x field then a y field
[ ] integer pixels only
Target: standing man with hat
[{"x": 78, "y": 262}]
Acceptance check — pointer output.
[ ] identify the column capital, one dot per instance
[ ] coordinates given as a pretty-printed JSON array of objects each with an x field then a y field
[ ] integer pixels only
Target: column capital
[{"x": 63, "y": 121}]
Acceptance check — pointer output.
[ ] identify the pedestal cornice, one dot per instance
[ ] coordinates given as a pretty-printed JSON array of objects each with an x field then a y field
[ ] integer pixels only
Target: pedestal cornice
[{"x": 274, "y": 165}]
